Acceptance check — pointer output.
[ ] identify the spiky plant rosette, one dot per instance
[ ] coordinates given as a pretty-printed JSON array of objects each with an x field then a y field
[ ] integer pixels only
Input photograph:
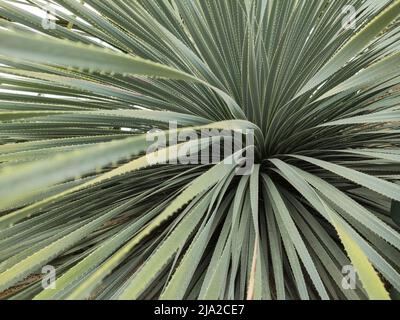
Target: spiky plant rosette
[{"x": 316, "y": 81}]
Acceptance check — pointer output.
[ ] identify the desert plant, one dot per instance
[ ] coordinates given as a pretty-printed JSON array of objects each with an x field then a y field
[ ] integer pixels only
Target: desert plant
[{"x": 82, "y": 87}]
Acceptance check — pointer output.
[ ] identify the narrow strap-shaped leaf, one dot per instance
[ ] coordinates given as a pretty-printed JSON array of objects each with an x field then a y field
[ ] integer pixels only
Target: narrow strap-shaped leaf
[
  {"x": 379, "y": 72},
  {"x": 255, "y": 280},
  {"x": 388, "y": 189},
  {"x": 359, "y": 41},
  {"x": 283, "y": 214},
  {"x": 370, "y": 279},
  {"x": 352, "y": 207},
  {"x": 198, "y": 185},
  {"x": 61, "y": 167},
  {"x": 275, "y": 247},
  {"x": 395, "y": 211},
  {"x": 69, "y": 54},
  {"x": 158, "y": 260},
  {"x": 390, "y": 115}
]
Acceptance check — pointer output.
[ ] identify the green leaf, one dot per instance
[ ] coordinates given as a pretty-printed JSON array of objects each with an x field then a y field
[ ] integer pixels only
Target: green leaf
[
  {"x": 358, "y": 42},
  {"x": 395, "y": 211}
]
